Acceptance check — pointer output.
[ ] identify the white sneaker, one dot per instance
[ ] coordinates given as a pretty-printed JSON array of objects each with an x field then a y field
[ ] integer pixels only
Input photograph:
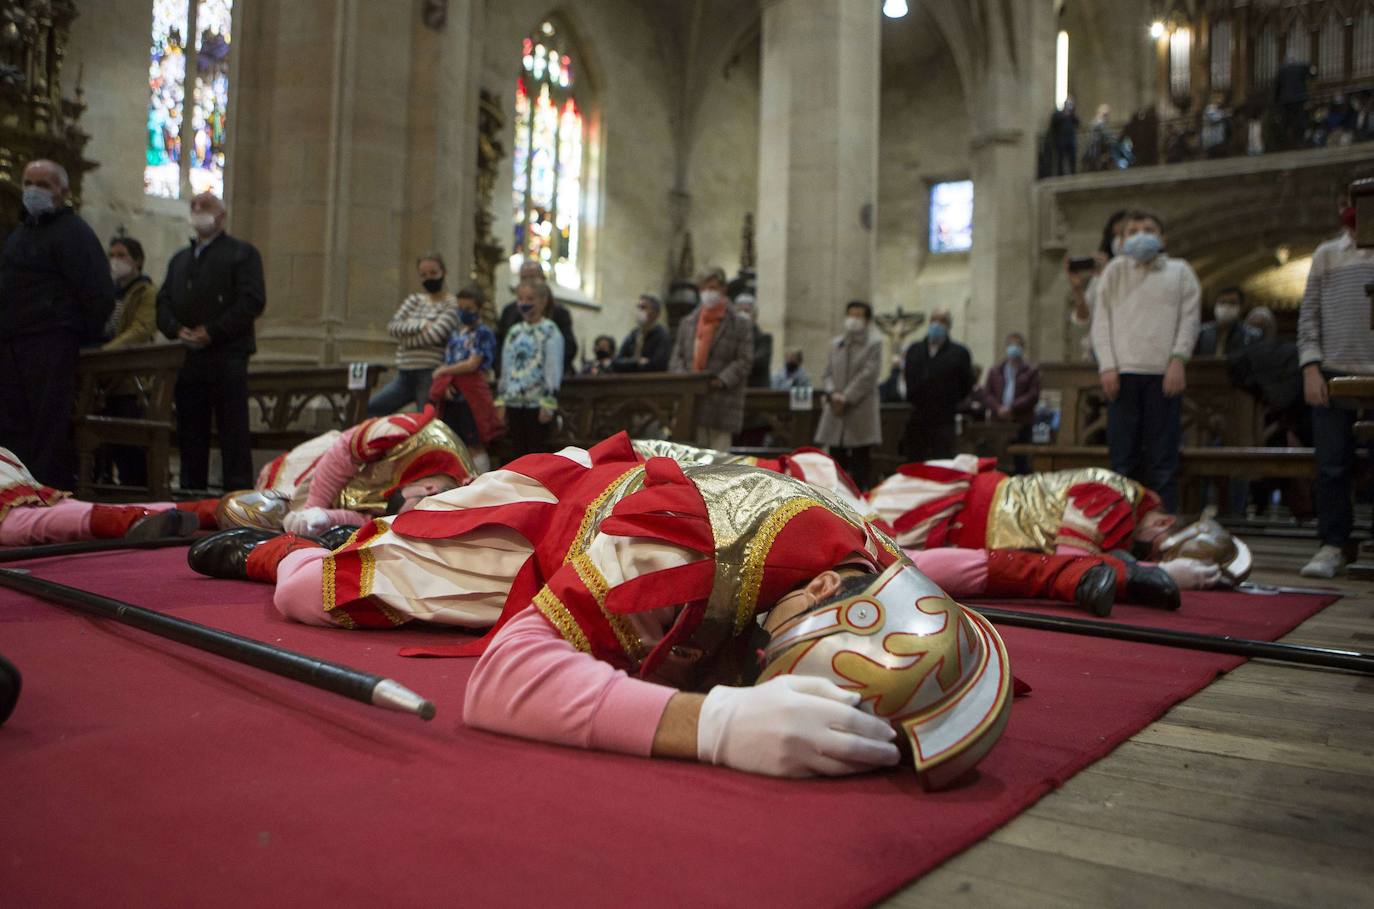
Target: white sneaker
[{"x": 1327, "y": 563}]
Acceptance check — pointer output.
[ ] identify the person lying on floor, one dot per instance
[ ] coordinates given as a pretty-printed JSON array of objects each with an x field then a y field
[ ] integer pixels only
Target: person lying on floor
[
  {"x": 344, "y": 479},
  {"x": 622, "y": 586},
  {"x": 965, "y": 502},
  {"x": 32, "y": 514}
]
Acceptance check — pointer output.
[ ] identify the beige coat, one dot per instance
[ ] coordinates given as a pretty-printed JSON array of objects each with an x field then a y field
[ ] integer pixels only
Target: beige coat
[{"x": 852, "y": 369}]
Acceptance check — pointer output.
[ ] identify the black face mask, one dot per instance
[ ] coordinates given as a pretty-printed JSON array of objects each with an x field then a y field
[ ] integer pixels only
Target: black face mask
[
  {"x": 433, "y": 285},
  {"x": 603, "y": 354}
]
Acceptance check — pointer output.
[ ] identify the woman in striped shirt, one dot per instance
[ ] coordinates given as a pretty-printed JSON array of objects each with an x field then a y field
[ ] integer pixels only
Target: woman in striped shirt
[{"x": 421, "y": 328}]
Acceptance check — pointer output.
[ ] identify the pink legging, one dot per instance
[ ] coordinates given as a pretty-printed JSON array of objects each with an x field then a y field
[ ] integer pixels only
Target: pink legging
[
  {"x": 63, "y": 521},
  {"x": 300, "y": 588}
]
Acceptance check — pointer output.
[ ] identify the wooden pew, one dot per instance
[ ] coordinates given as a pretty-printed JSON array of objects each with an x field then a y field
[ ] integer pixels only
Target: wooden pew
[
  {"x": 278, "y": 397},
  {"x": 150, "y": 372},
  {"x": 646, "y": 405}
]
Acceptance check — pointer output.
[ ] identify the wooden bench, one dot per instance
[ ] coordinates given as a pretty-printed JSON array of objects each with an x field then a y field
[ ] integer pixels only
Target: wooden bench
[
  {"x": 1197, "y": 465},
  {"x": 148, "y": 371},
  {"x": 646, "y": 405},
  {"x": 278, "y": 398}
]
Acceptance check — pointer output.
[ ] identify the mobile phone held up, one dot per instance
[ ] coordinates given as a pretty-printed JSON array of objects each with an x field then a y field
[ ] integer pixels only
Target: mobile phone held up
[{"x": 1082, "y": 263}]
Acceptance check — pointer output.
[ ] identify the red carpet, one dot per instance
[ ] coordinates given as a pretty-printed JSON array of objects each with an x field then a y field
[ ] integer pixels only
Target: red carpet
[{"x": 140, "y": 772}]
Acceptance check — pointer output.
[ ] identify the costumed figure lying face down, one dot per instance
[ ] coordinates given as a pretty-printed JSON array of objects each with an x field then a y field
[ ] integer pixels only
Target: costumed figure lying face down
[
  {"x": 966, "y": 503},
  {"x": 1090, "y": 579},
  {"x": 347, "y": 479},
  {"x": 628, "y": 593}
]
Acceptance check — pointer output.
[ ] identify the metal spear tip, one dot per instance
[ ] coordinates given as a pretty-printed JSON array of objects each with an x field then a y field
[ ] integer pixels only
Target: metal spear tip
[{"x": 394, "y": 696}]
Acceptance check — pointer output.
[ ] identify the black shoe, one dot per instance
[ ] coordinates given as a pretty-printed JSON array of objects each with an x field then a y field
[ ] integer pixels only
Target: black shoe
[
  {"x": 336, "y": 536},
  {"x": 225, "y": 554},
  {"x": 1096, "y": 590},
  {"x": 162, "y": 524},
  {"x": 1151, "y": 586}
]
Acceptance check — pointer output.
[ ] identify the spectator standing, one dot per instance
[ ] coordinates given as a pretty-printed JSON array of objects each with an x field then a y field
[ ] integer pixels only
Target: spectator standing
[
  {"x": 1145, "y": 324},
  {"x": 532, "y": 353},
  {"x": 532, "y": 270},
  {"x": 791, "y": 374},
  {"x": 647, "y": 347},
  {"x": 715, "y": 339},
  {"x": 939, "y": 376},
  {"x": 1227, "y": 332},
  {"x": 422, "y": 326},
  {"x": 1011, "y": 391},
  {"x": 603, "y": 355},
  {"x": 133, "y": 322},
  {"x": 1064, "y": 125},
  {"x": 759, "y": 375},
  {"x": 55, "y": 294},
  {"x": 461, "y": 389},
  {"x": 212, "y": 294},
  {"x": 1334, "y": 339},
  {"x": 850, "y": 422}
]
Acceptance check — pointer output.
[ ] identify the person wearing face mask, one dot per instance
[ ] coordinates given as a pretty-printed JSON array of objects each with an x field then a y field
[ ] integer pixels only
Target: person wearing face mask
[
  {"x": 850, "y": 423},
  {"x": 603, "y": 353},
  {"x": 134, "y": 321},
  {"x": 1334, "y": 339},
  {"x": 1145, "y": 325},
  {"x": 212, "y": 294},
  {"x": 55, "y": 295},
  {"x": 527, "y": 395},
  {"x": 792, "y": 374},
  {"x": 1011, "y": 391},
  {"x": 747, "y": 306},
  {"x": 1083, "y": 284},
  {"x": 1228, "y": 333},
  {"x": 422, "y": 327},
  {"x": 646, "y": 348},
  {"x": 715, "y": 339},
  {"x": 461, "y": 389},
  {"x": 939, "y": 376},
  {"x": 532, "y": 270}
]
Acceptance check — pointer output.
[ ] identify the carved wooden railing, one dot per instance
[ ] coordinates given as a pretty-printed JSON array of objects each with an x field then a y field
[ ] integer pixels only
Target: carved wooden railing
[
  {"x": 149, "y": 373},
  {"x": 1214, "y": 411},
  {"x": 646, "y": 405},
  {"x": 279, "y": 399}
]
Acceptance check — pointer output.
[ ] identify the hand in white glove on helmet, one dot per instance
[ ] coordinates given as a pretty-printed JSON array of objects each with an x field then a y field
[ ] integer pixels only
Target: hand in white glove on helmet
[
  {"x": 1192, "y": 574},
  {"x": 792, "y": 726},
  {"x": 308, "y": 521}
]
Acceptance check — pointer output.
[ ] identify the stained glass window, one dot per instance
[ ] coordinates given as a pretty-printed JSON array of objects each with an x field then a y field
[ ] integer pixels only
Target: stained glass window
[
  {"x": 547, "y": 161},
  {"x": 951, "y": 216},
  {"x": 178, "y": 151}
]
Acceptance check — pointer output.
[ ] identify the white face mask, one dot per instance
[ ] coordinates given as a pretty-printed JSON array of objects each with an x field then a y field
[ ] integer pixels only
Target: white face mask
[
  {"x": 712, "y": 298},
  {"x": 121, "y": 269},
  {"x": 1116, "y": 246},
  {"x": 203, "y": 223},
  {"x": 641, "y": 318},
  {"x": 854, "y": 325},
  {"x": 1228, "y": 312}
]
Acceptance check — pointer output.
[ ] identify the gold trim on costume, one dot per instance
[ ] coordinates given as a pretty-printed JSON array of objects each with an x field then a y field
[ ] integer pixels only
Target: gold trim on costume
[
  {"x": 595, "y": 582},
  {"x": 557, "y": 613},
  {"x": 756, "y": 554},
  {"x": 364, "y": 492}
]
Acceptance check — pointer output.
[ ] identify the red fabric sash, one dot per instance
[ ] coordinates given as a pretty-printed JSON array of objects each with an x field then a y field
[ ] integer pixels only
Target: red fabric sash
[
  {"x": 972, "y": 529},
  {"x": 477, "y": 393}
]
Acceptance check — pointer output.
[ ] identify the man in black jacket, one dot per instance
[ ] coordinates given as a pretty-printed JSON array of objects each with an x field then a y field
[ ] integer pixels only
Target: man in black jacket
[
  {"x": 55, "y": 293},
  {"x": 213, "y": 292},
  {"x": 939, "y": 376},
  {"x": 645, "y": 349}
]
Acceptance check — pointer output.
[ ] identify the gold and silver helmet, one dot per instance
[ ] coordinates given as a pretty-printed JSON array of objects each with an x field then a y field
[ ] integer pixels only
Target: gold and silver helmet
[
  {"x": 1208, "y": 541},
  {"x": 935, "y": 670}
]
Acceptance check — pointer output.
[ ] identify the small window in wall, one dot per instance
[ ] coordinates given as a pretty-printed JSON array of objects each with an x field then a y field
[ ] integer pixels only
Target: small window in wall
[
  {"x": 547, "y": 162},
  {"x": 1331, "y": 49},
  {"x": 181, "y": 153},
  {"x": 951, "y": 216},
  {"x": 1363, "y": 62},
  {"x": 1296, "y": 47},
  {"x": 1180, "y": 59},
  {"x": 1221, "y": 55},
  {"x": 1061, "y": 70}
]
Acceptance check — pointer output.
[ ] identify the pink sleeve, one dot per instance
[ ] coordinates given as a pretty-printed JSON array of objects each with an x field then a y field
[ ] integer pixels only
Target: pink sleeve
[
  {"x": 332, "y": 473},
  {"x": 343, "y": 517},
  {"x": 533, "y": 684}
]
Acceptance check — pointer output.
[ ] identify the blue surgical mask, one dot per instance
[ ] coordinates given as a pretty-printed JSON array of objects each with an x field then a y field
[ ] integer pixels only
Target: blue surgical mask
[
  {"x": 1143, "y": 247},
  {"x": 38, "y": 202},
  {"x": 467, "y": 317},
  {"x": 937, "y": 332},
  {"x": 525, "y": 308},
  {"x": 1014, "y": 351}
]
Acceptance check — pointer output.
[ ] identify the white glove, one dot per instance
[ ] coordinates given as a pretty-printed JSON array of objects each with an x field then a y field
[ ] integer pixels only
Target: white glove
[
  {"x": 309, "y": 521},
  {"x": 793, "y": 726},
  {"x": 1192, "y": 574}
]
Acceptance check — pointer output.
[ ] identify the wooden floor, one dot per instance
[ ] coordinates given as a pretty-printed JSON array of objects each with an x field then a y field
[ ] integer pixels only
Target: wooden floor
[{"x": 1257, "y": 791}]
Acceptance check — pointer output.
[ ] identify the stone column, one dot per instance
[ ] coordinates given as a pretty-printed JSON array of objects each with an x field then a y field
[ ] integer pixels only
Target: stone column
[{"x": 818, "y": 167}]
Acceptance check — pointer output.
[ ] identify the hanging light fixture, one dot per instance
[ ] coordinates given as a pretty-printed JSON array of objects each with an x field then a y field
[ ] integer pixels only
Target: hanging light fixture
[{"x": 894, "y": 9}]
